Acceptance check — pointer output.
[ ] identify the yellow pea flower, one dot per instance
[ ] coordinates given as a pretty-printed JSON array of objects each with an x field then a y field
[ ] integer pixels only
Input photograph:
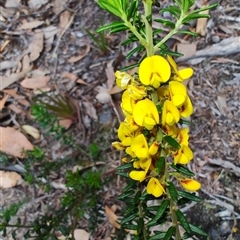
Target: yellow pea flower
[
  {"x": 180, "y": 75},
  {"x": 137, "y": 175},
  {"x": 170, "y": 114},
  {"x": 178, "y": 93},
  {"x": 129, "y": 122},
  {"x": 153, "y": 149},
  {"x": 190, "y": 184},
  {"x": 186, "y": 109},
  {"x": 154, "y": 70},
  {"x": 125, "y": 135},
  {"x": 183, "y": 137},
  {"x": 183, "y": 156},
  {"x": 127, "y": 103},
  {"x": 155, "y": 188},
  {"x": 139, "y": 146},
  {"x": 123, "y": 79},
  {"x": 137, "y": 92},
  {"x": 118, "y": 145},
  {"x": 163, "y": 92},
  {"x": 145, "y": 114}
]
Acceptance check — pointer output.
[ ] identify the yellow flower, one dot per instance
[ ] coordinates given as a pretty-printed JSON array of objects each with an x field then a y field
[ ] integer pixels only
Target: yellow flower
[
  {"x": 125, "y": 134},
  {"x": 139, "y": 146},
  {"x": 163, "y": 92},
  {"x": 178, "y": 93},
  {"x": 190, "y": 184},
  {"x": 183, "y": 137},
  {"x": 137, "y": 175},
  {"x": 170, "y": 114},
  {"x": 186, "y": 109},
  {"x": 183, "y": 156},
  {"x": 145, "y": 114},
  {"x": 154, "y": 187},
  {"x": 153, "y": 149},
  {"x": 127, "y": 103},
  {"x": 122, "y": 79},
  {"x": 180, "y": 75},
  {"x": 154, "y": 70},
  {"x": 137, "y": 92},
  {"x": 129, "y": 122},
  {"x": 118, "y": 145}
]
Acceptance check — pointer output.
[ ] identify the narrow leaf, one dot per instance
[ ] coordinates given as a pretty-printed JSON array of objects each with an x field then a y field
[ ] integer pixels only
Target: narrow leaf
[
  {"x": 173, "y": 192},
  {"x": 181, "y": 169},
  {"x": 110, "y": 26},
  {"x": 129, "y": 219},
  {"x": 158, "y": 236},
  {"x": 125, "y": 166},
  {"x": 190, "y": 196},
  {"x": 169, "y": 233},
  {"x": 171, "y": 141},
  {"x": 182, "y": 219},
  {"x": 160, "y": 164},
  {"x": 198, "y": 230}
]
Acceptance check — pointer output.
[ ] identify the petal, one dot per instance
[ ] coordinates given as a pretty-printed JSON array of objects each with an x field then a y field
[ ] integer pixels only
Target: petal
[
  {"x": 172, "y": 63},
  {"x": 118, "y": 145},
  {"x": 178, "y": 93},
  {"x": 153, "y": 70},
  {"x": 187, "y": 152},
  {"x": 153, "y": 148},
  {"x": 137, "y": 175},
  {"x": 186, "y": 109},
  {"x": 155, "y": 188},
  {"x": 142, "y": 153},
  {"x": 185, "y": 73},
  {"x": 190, "y": 184}
]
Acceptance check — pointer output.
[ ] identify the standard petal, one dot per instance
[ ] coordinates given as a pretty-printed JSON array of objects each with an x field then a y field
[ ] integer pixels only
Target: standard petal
[
  {"x": 137, "y": 175},
  {"x": 190, "y": 184}
]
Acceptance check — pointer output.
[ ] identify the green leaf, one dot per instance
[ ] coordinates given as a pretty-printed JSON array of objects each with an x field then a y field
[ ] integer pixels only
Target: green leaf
[
  {"x": 185, "y": 5},
  {"x": 119, "y": 29},
  {"x": 173, "y": 10},
  {"x": 105, "y": 4},
  {"x": 140, "y": 224},
  {"x": 130, "y": 185},
  {"x": 205, "y": 8},
  {"x": 173, "y": 192},
  {"x": 181, "y": 169},
  {"x": 126, "y": 194},
  {"x": 137, "y": 196},
  {"x": 183, "y": 121},
  {"x": 198, "y": 230},
  {"x": 169, "y": 233},
  {"x": 160, "y": 212},
  {"x": 125, "y": 166},
  {"x": 188, "y": 32},
  {"x": 129, "y": 219},
  {"x": 182, "y": 219},
  {"x": 160, "y": 164},
  {"x": 190, "y": 196},
  {"x": 194, "y": 16},
  {"x": 135, "y": 50},
  {"x": 155, "y": 32},
  {"x": 171, "y": 141},
  {"x": 165, "y": 22},
  {"x": 129, "y": 67},
  {"x": 110, "y": 26},
  {"x": 158, "y": 236},
  {"x": 130, "y": 226},
  {"x": 132, "y": 9}
]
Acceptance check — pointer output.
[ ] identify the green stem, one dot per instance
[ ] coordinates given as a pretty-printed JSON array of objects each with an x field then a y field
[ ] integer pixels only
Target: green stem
[
  {"x": 141, "y": 214},
  {"x": 148, "y": 26},
  {"x": 172, "y": 32},
  {"x": 173, "y": 206}
]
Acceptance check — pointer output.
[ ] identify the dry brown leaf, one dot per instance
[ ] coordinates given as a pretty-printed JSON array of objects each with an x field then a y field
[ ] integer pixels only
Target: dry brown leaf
[
  {"x": 110, "y": 75},
  {"x": 9, "y": 179},
  {"x": 21, "y": 99},
  {"x": 12, "y": 3},
  {"x": 114, "y": 90},
  {"x": 36, "y": 4},
  {"x": 64, "y": 20},
  {"x": 90, "y": 110},
  {"x": 187, "y": 49},
  {"x": 3, "y": 100},
  {"x": 79, "y": 57},
  {"x": 69, "y": 75},
  {"x": 36, "y": 46},
  {"x": 25, "y": 62},
  {"x": 80, "y": 234},
  {"x": 79, "y": 80},
  {"x": 8, "y": 80},
  {"x": 7, "y": 12},
  {"x": 66, "y": 123},
  {"x": 14, "y": 108},
  {"x": 34, "y": 83},
  {"x": 112, "y": 217},
  {"x": 8, "y": 64},
  {"x": 31, "y": 131},
  {"x": 201, "y": 24},
  {"x": 222, "y": 104},
  {"x": 49, "y": 34},
  {"x": 58, "y": 6},
  {"x": 37, "y": 73},
  {"x": 5, "y": 43},
  {"x": 30, "y": 25},
  {"x": 14, "y": 142}
]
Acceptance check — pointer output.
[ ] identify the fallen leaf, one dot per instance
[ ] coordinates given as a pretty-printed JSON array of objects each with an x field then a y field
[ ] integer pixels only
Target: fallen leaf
[
  {"x": 30, "y": 25},
  {"x": 5, "y": 43},
  {"x": 79, "y": 80},
  {"x": 9, "y": 179},
  {"x": 37, "y": 73},
  {"x": 3, "y": 100},
  {"x": 66, "y": 123},
  {"x": 64, "y": 20},
  {"x": 69, "y": 75},
  {"x": 58, "y": 6},
  {"x": 103, "y": 95},
  {"x": 8, "y": 64},
  {"x": 7, "y": 12},
  {"x": 34, "y": 83},
  {"x": 79, "y": 57},
  {"x": 36, "y": 4},
  {"x": 49, "y": 34},
  {"x": 36, "y": 46},
  {"x": 14, "y": 142},
  {"x": 114, "y": 90},
  {"x": 90, "y": 110},
  {"x": 25, "y": 62},
  {"x": 80, "y": 234},
  {"x": 14, "y": 108},
  {"x": 19, "y": 98},
  {"x": 221, "y": 104},
  {"x": 12, "y": 3},
  {"x": 201, "y": 24},
  {"x": 187, "y": 49},
  {"x": 8, "y": 80},
  {"x": 112, "y": 217},
  {"x": 31, "y": 131}
]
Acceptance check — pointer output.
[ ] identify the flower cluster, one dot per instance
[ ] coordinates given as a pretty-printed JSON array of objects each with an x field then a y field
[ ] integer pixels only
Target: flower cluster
[{"x": 154, "y": 101}]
